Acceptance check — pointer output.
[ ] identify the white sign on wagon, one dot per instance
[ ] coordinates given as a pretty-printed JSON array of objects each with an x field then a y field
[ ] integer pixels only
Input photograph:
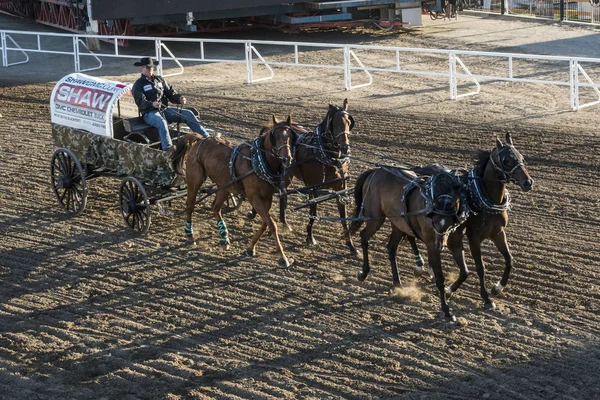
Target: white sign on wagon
[{"x": 85, "y": 102}]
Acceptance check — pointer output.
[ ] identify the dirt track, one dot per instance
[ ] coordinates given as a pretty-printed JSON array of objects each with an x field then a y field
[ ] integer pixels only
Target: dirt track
[{"x": 91, "y": 310}]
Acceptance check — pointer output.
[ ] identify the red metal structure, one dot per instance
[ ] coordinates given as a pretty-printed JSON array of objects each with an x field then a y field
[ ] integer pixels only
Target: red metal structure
[{"x": 127, "y": 18}]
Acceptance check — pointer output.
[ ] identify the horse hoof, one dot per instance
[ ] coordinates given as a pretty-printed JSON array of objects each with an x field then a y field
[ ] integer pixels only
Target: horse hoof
[
  {"x": 285, "y": 262},
  {"x": 490, "y": 305},
  {"x": 420, "y": 272},
  {"x": 448, "y": 317},
  {"x": 496, "y": 290},
  {"x": 251, "y": 215},
  {"x": 250, "y": 252},
  {"x": 448, "y": 293},
  {"x": 311, "y": 242},
  {"x": 361, "y": 277},
  {"x": 352, "y": 249}
]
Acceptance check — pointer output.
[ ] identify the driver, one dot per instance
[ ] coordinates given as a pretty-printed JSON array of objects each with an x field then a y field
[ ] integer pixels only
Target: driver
[{"x": 152, "y": 95}]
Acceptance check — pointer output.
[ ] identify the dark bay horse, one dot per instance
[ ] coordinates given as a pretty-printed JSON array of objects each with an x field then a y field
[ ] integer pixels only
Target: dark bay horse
[
  {"x": 427, "y": 207},
  {"x": 250, "y": 170},
  {"x": 321, "y": 160},
  {"x": 489, "y": 202}
]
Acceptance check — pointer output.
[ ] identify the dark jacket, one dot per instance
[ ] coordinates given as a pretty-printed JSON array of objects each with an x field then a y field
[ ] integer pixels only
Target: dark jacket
[{"x": 146, "y": 91}]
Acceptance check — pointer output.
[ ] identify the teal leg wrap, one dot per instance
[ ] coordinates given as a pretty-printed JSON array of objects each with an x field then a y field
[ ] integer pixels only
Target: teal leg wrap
[
  {"x": 189, "y": 231},
  {"x": 419, "y": 261},
  {"x": 223, "y": 232}
]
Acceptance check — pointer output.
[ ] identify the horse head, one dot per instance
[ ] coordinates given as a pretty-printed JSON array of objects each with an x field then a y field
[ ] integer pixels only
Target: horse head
[
  {"x": 281, "y": 139},
  {"x": 338, "y": 126},
  {"x": 448, "y": 206},
  {"x": 510, "y": 164}
]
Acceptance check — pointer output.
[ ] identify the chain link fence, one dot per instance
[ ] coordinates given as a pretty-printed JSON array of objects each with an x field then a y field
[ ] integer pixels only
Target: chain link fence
[{"x": 587, "y": 11}]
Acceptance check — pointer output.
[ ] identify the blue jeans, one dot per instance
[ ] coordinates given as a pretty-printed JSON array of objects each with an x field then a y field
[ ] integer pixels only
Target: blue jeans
[{"x": 155, "y": 119}]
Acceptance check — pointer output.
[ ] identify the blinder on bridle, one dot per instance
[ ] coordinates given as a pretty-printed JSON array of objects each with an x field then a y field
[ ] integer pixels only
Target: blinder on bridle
[
  {"x": 274, "y": 148},
  {"x": 507, "y": 152},
  {"x": 329, "y": 128},
  {"x": 444, "y": 203}
]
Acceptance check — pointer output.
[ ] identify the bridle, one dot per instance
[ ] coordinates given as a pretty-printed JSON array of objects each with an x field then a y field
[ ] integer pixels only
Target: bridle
[
  {"x": 507, "y": 176},
  {"x": 459, "y": 214},
  {"x": 345, "y": 133},
  {"x": 275, "y": 150}
]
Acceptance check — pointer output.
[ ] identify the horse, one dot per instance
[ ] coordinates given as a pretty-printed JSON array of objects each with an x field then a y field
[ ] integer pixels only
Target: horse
[
  {"x": 248, "y": 170},
  {"x": 321, "y": 161},
  {"x": 426, "y": 207},
  {"x": 489, "y": 202}
]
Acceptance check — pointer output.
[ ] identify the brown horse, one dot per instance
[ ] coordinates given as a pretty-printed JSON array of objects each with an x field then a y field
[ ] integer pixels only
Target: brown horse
[
  {"x": 249, "y": 170},
  {"x": 321, "y": 161},
  {"x": 426, "y": 207},
  {"x": 489, "y": 202}
]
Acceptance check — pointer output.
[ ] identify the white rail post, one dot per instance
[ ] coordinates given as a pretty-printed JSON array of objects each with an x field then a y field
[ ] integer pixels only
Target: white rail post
[
  {"x": 248, "y": 50},
  {"x": 347, "y": 70},
  {"x": 158, "y": 53},
  {"x": 76, "y": 52},
  {"x": 574, "y": 84},
  {"x": 4, "y": 52},
  {"x": 452, "y": 76}
]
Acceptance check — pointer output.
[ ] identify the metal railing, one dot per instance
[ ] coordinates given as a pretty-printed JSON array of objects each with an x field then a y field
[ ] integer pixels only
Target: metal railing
[
  {"x": 585, "y": 11},
  {"x": 457, "y": 66}
]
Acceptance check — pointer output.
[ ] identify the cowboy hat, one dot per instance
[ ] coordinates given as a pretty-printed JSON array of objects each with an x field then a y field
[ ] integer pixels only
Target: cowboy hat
[{"x": 145, "y": 61}]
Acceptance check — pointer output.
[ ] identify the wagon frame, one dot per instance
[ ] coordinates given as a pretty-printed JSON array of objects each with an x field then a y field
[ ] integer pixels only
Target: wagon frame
[{"x": 117, "y": 144}]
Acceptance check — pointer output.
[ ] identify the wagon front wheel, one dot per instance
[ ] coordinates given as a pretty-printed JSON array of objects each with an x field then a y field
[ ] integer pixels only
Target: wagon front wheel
[
  {"x": 135, "y": 206},
  {"x": 68, "y": 181}
]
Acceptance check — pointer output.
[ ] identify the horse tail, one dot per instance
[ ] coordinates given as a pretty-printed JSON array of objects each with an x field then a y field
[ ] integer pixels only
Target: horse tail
[
  {"x": 182, "y": 146},
  {"x": 358, "y": 200}
]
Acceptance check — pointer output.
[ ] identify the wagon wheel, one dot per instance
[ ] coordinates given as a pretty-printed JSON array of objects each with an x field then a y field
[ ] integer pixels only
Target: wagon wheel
[
  {"x": 135, "y": 206},
  {"x": 68, "y": 181}
]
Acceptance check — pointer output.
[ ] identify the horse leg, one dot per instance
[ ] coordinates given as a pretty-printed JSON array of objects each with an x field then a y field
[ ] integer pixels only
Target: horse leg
[
  {"x": 310, "y": 239},
  {"x": 475, "y": 245},
  {"x": 435, "y": 262},
  {"x": 455, "y": 245},
  {"x": 193, "y": 185},
  {"x": 342, "y": 210},
  {"x": 371, "y": 227},
  {"x": 282, "y": 216},
  {"x": 395, "y": 238},
  {"x": 262, "y": 207},
  {"x": 418, "y": 259},
  {"x": 502, "y": 246},
  {"x": 218, "y": 202}
]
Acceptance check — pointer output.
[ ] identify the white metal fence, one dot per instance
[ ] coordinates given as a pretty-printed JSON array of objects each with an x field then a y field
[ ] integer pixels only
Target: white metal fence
[{"x": 455, "y": 65}]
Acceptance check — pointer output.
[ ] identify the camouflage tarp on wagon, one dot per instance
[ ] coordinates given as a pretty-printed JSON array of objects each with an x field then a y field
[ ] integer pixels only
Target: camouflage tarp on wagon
[{"x": 123, "y": 158}]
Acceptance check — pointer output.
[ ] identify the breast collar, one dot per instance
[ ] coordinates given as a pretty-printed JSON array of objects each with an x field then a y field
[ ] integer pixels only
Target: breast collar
[{"x": 478, "y": 200}]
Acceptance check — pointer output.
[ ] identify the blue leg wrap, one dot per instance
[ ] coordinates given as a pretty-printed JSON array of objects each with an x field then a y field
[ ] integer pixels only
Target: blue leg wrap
[
  {"x": 419, "y": 261},
  {"x": 223, "y": 232},
  {"x": 189, "y": 231}
]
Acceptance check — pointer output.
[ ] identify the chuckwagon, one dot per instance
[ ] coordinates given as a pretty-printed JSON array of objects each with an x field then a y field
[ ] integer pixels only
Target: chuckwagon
[{"x": 97, "y": 132}]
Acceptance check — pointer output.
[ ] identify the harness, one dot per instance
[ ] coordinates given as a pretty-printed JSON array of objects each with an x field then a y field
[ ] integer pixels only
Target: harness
[
  {"x": 258, "y": 162},
  {"x": 479, "y": 202},
  {"x": 426, "y": 186},
  {"x": 320, "y": 140},
  {"x": 317, "y": 140}
]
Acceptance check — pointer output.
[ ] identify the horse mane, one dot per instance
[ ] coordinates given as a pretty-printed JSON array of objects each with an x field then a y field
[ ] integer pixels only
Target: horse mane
[
  {"x": 481, "y": 159},
  {"x": 181, "y": 148},
  {"x": 266, "y": 127}
]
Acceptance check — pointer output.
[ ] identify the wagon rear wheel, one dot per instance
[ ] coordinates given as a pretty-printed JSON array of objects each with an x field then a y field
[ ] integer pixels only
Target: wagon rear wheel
[
  {"x": 68, "y": 181},
  {"x": 135, "y": 206}
]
